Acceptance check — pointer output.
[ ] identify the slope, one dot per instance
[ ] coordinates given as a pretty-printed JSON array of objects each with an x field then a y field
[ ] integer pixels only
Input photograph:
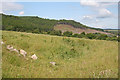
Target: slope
[
  {"x": 66, "y": 27},
  {"x": 81, "y": 58},
  {"x": 36, "y": 24}
]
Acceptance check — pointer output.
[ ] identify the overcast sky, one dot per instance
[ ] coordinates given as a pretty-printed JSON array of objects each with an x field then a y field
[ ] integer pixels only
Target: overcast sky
[{"x": 91, "y": 13}]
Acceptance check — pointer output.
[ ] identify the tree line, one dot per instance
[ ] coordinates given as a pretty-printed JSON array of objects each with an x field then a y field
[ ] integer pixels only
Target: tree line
[{"x": 97, "y": 36}]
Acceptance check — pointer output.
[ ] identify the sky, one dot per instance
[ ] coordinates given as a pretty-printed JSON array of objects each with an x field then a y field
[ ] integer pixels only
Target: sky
[{"x": 91, "y": 13}]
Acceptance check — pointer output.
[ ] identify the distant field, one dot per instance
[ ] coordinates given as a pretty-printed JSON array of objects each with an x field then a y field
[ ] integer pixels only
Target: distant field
[
  {"x": 74, "y": 57},
  {"x": 111, "y": 30},
  {"x": 64, "y": 27},
  {"x": 114, "y": 31}
]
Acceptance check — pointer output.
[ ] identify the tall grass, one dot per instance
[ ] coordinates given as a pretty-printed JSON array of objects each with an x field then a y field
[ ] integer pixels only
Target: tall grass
[{"x": 75, "y": 58}]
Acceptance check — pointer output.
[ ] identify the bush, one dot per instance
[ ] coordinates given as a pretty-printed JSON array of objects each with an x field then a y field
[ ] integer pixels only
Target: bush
[
  {"x": 67, "y": 33},
  {"x": 102, "y": 37},
  {"x": 112, "y": 38},
  {"x": 35, "y": 31},
  {"x": 83, "y": 33},
  {"x": 91, "y": 36},
  {"x": 75, "y": 35},
  {"x": 79, "y": 35},
  {"x": 58, "y": 33}
]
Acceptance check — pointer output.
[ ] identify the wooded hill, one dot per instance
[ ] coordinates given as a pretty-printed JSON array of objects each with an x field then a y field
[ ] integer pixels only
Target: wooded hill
[{"x": 36, "y": 24}]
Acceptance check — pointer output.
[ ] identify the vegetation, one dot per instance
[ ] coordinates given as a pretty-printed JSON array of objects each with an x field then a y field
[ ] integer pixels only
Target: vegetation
[
  {"x": 27, "y": 24},
  {"x": 113, "y": 31},
  {"x": 38, "y": 25},
  {"x": 74, "y": 57},
  {"x": 82, "y": 35},
  {"x": 58, "y": 33},
  {"x": 67, "y": 33},
  {"x": 34, "y": 24},
  {"x": 88, "y": 36}
]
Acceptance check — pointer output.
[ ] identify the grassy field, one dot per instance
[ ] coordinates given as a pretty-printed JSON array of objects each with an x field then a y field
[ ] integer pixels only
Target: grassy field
[{"x": 74, "y": 57}]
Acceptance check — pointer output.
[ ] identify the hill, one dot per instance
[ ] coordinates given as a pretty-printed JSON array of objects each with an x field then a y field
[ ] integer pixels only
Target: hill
[
  {"x": 39, "y": 25},
  {"x": 66, "y": 27},
  {"x": 74, "y": 57}
]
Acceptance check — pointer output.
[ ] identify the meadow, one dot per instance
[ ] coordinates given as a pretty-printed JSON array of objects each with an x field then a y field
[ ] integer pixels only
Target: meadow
[{"x": 74, "y": 57}]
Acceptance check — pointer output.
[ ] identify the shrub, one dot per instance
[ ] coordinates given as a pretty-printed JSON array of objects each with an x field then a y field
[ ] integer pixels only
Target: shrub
[
  {"x": 102, "y": 37},
  {"x": 83, "y": 33},
  {"x": 36, "y": 31},
  {"x": 67, "y": 33},
  {"x": 91, "y": 36},
  {"x": 58, "y": 33},
  {"x": 75, "y": 35},
  {"x": 81, "y": 36}
]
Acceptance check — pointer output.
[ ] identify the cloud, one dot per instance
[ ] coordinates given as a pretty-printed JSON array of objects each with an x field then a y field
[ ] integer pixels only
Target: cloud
[
  {"x": 107, "y": 3},
  {"x": 11, "y": 6},
  {"x": 21, "y": 13},
  {"x": 104, "y": 13},
  {"x": 9, "y": 0},
  {"x": 89, "y": 3},
  {"x": 89, "y": 19},
  {"x": 98, "y": 7},
  {"x": 1, "y": 7}
]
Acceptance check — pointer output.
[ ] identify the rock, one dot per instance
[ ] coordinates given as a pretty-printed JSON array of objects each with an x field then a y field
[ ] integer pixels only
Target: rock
[
  {"x": 34, "y": 57},
  {"x": 2, "y": 42},
  {"x": 16, "y": 50},
  {"x": 53, "y": 63},
  {"x": 22, "y": 52},
  {"x": 9, "y": 47}
]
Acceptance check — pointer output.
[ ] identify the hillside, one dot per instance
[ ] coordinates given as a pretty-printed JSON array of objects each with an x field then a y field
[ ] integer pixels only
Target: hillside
[
  {"x": 36, "y": 24},
  {"x": 74, "y": 57},
  {"x": 65, "y": 27}
]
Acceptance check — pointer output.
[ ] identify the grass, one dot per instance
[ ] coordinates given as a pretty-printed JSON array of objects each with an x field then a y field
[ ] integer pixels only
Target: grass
[{"x": 75, "y": 58}]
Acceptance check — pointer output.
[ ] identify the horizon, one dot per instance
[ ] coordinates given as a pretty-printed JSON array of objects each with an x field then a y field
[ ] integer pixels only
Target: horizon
[{"x": 92, "y": 14}]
